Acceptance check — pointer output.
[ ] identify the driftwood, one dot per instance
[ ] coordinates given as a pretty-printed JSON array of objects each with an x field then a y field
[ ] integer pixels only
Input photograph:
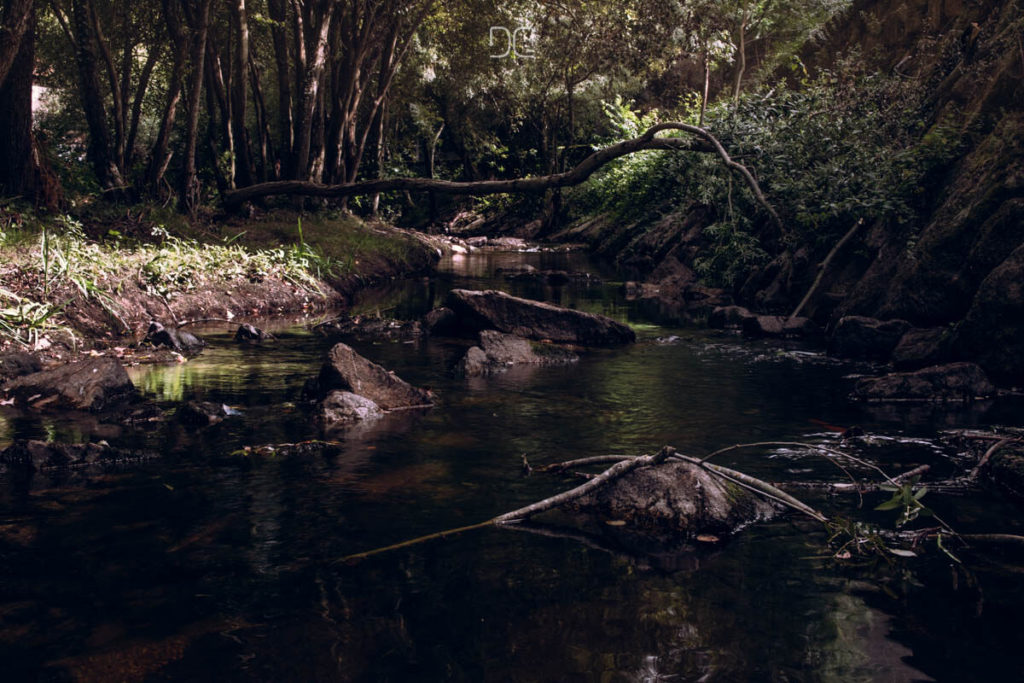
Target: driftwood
[
  {"x": 702, "y": 141},
  {"x": 612, "y": 473},
  {"x": 823, "y": 266}
]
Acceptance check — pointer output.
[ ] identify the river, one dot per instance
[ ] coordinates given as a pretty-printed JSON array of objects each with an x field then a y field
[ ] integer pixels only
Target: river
[{"x": 208, "y": 564}]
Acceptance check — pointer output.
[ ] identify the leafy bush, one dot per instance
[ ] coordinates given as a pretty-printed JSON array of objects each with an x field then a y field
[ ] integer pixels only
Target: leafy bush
[{"x": 836, "y": 149}]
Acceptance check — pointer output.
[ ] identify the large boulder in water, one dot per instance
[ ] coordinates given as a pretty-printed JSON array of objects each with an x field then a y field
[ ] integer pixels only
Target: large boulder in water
[
  {"x": 952, "y": 382},
  {"x": 679, "y": 497},
  {"x": 866, "y": 338},
  {"x": 496, "y": 310},
  {"x": 346, "y": 370},
  {"x": 94, "y": 384}
]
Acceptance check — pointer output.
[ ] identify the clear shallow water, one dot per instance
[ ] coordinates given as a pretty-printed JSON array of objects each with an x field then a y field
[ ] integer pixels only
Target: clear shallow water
[{"x": 204, "y": 565}]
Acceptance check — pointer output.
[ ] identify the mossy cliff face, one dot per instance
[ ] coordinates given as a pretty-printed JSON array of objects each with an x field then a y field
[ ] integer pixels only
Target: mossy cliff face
[{"x": 965, "y": 264}]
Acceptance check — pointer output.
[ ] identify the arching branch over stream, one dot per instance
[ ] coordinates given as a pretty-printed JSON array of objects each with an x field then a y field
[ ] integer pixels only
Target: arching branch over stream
[{"x": 702, "y": 141}]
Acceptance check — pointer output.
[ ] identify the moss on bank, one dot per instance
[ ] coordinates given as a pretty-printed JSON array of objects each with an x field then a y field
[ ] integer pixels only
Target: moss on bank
[{"x": 108, "y": 274}]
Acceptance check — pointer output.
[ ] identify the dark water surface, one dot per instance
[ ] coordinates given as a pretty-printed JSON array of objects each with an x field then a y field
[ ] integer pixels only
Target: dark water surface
[{"x": 208, "y": 565}]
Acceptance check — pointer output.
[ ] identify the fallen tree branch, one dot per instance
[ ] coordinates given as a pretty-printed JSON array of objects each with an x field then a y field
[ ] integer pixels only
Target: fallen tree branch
[
  {"x": 988, "y": 456},
  {"x": 823, "y": 266},
  {"x": 595, "y": 460},
  {"x": 610, "y": 474},
  {"x": 705, "y": 143},
  {"x": 754, "y": 484}
]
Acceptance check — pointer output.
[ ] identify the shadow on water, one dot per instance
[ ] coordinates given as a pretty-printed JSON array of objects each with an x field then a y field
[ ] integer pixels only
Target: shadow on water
[{"x": 207, "y": 564}]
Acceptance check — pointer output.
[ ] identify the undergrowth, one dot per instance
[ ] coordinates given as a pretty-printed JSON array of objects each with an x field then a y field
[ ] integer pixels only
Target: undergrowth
[
  {"x": 834, "y": 150},
  {"x": 48, "y": 263}
]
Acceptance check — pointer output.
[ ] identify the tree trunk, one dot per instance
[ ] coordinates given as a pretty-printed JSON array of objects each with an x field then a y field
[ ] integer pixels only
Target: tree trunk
[
  {"x": 218, "y": 94},
  {"x": 741, "y": 46},
  {"x": 16, "y": 168},
  {"x": 140, "y": 93},
  {"x": 160, "y": 157},
  {"x": 278, "y": 12},
  {"x": 239, "y": 95},
  {"x": 190, "y": 181},
  {"x": 18, "y": 19},
  {"x": 311, "y": 79},
  {"x": 707, "y": 88},
  {"x": 99, "y": 150}
]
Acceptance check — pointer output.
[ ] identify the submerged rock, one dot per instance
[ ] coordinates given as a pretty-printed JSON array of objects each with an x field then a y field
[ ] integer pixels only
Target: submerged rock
[
  {"x": 1006, "y": 469},
  {"x": 35, "y": 455},
  {"x": 93, "y": 384},
  {"x": 371, "y": 329},
  {"x": 441, "y": 322},
  {"x": 729, "y": 317},
  {"x": 680, "y": 497},
  {"x": 492, "y": 309},
  {"x": 173, "y": 338},
  {"x": 498, "y": 351},
  {"x": 203, "y": 413},
  {"x": 344, "y": 407},
  {"x": 952, "y": 382},
  {"x": 250, "y": 334},
  {"x": 859, "y": 337},
  {"x": 780, "y": 326},
  {"x": 17, "y": 363},
  {"x": 346, "y": 370}
]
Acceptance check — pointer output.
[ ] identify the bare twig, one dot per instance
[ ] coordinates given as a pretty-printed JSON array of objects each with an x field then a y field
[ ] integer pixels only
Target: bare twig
[
  {"x": 988, "y": 455},
  {"x": 823, "y": 266}
]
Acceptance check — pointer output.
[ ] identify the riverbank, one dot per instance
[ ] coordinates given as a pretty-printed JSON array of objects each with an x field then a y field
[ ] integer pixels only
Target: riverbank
[{"x": 99, "y": 281}]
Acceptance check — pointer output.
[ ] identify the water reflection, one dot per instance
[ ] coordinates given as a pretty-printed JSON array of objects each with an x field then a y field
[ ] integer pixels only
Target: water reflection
[{"x": 213, "y": 564}]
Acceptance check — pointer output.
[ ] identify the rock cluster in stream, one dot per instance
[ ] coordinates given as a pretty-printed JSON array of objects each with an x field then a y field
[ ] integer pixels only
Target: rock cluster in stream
[
  {"x": 352, "y": 388},
  {"x": 924, "y": 358},
  {"x": 510, "y": 331}
]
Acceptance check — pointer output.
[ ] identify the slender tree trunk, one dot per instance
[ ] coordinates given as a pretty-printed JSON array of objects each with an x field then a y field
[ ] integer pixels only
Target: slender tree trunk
[
  {"x": 311, "y": 81},
  {"x": 190, "y": 180},
  {"x": 262, "y": 121},
  {"x": 239, "y": 95},
  {"x": 16, "y": 168},
  {"x": 707, "y": 88},
  {"x": 161, "y": 157},
  {"x": 99, "y": 150},
  {"x": 742, "y": 57},
  {"x": 218, "y": 90},
  {"x": 119, "y": 118},
  {"x": 278, "y": 11},
  {"x": 140, "y": 93}
]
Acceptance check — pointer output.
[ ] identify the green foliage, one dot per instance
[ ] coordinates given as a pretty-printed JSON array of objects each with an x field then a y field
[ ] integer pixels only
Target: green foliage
[
  {"x": 906, "y": 500},
  {"x": 836, "y": 149}
]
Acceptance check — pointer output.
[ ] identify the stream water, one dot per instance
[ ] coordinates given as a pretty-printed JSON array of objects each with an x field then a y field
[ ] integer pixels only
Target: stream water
[{"x": 209, "y": 565}]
